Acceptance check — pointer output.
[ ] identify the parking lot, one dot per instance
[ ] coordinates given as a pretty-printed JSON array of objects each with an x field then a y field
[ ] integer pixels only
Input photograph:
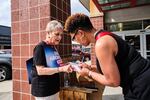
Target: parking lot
[{"x": 6, "y": 90}]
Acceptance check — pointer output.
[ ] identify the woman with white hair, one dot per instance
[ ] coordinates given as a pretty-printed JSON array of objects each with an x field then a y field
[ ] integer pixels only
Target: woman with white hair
[{"x": 45, "y": 80}]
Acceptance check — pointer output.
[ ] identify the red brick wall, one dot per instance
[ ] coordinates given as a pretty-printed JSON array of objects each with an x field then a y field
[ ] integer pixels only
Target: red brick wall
[
  {"x": 97, "y": 22},
  {"x": 29, "y": 18}
]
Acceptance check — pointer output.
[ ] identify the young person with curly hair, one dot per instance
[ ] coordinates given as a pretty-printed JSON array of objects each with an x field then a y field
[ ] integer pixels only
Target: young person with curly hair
[{"x": 118, "y": 62}]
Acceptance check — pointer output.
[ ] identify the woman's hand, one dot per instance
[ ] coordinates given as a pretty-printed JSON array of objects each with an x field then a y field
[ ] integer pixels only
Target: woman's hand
[{"x": 66, "y": 68}]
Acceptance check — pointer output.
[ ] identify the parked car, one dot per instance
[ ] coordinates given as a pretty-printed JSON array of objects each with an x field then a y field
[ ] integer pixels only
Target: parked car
[{"x": 5, "y": 65}]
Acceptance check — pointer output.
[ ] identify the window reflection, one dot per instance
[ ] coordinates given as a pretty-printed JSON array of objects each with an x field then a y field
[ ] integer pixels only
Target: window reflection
[
  {"x": 148, "y": 55},
  {"x": 148, "y": 46},
  {"x": 125, "y": 26},
  {"x": 146, "y": 23},
  {"x": 134, "y": 25},
  {"x": 147, "y": 42}
]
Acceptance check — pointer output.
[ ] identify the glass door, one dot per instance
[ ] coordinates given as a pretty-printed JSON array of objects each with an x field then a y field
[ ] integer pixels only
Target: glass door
[
  {"x": 135, "y": 41},
  {"x": 134, "y": 38}
]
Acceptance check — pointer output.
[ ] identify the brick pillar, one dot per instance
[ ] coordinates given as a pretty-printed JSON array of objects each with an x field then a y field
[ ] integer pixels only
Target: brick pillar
[
  {"x": 96, "y": 17},
  {"x": 29, "y": 19},
  {"x": 98, "y": 24}
]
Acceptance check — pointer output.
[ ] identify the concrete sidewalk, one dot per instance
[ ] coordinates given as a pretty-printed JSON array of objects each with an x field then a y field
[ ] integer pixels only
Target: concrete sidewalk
[
  {"x": 111, "y": 93},
  {"x": 6, "y": 90}
]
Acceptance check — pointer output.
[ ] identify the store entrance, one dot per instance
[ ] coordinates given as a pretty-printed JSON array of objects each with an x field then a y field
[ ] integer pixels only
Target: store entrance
[{"x": 140, "y": 40}]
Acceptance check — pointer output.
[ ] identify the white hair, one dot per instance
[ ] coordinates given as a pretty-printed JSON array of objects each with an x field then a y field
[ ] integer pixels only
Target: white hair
[{"x": 53, "y": 25}]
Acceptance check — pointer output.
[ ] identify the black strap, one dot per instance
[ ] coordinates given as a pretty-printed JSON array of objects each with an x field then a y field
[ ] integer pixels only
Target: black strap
[{"x": 98, "y": 32}]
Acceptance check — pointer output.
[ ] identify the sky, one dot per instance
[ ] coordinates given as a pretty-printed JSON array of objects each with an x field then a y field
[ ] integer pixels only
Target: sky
[
  {"x": 5, "y": 10},
  {"x": 5, "y": 13},
  {"x": 77, "y": 7}
]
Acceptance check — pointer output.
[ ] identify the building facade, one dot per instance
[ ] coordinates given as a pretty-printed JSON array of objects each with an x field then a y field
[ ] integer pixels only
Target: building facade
[
  {"x": 128, "y": 18},
  {"x": 5, "y": 37}
]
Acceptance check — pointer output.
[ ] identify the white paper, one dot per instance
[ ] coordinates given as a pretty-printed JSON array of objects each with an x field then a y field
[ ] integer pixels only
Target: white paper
[{"x": 75, "y": 66}]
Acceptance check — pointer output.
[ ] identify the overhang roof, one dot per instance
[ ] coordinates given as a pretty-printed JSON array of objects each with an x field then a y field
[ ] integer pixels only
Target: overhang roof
[
  {"x": 108, "y": 5},
  {"x": 86, "y": 4},
  {"x": 5, "y": 30}
]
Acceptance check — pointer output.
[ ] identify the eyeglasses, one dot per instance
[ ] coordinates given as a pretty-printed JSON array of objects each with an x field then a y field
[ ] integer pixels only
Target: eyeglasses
[{"x": 73, "y": 38}]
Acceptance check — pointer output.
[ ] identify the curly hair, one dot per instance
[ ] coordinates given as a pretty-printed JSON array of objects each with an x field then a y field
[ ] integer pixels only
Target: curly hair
[{"x": 78, "y": 21}]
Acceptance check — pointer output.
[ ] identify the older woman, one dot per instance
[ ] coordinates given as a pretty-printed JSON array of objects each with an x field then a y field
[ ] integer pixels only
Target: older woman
[
  {"x": 45, "y": 80},
  {"x": 118, "y": 62}
]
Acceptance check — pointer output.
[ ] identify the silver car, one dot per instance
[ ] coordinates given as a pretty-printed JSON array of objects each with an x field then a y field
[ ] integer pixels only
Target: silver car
[{"x": 5, "y": 66}]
